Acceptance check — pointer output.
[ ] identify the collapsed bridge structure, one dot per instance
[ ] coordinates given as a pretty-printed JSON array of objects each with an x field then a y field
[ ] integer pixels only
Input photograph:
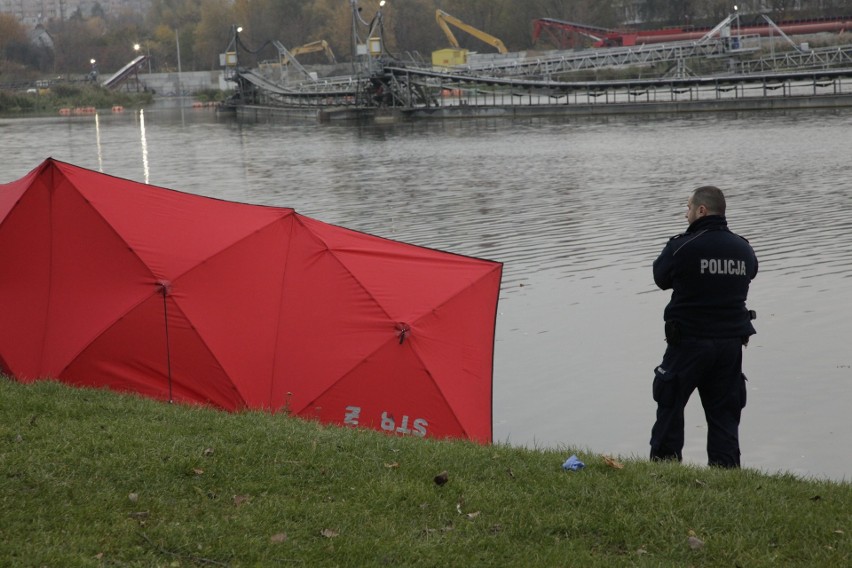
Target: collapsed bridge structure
[{"x": 719, "y": 69}]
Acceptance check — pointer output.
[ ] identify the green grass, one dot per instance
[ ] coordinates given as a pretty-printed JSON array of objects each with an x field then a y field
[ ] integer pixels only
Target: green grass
[
  {"x": 69, "y": 96},
  {"x": 93, "y": 478}
]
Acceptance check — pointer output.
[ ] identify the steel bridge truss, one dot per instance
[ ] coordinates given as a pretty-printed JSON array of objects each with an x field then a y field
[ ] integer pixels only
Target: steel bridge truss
[
  {"x": 675, "y": 54},
  {"x": 472, "y": 90},
  {"x": 597, "y": 59},
  {"x": 417, "y": 88},
  {"x": 825, "y": 58}
]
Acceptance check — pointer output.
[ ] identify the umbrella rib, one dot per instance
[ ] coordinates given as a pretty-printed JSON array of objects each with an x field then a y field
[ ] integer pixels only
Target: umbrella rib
[
  {"x": 134, "y": 306},
  {"x": 352, "y": 369},
  {"x": 212, "y": 353},
  {"x": 282, "y": 295},
  {"x": 104, "y": 329},
  {"x": 206, "y": 258},
  {"x": 121, "y": 239},
  {"x": 285, "y": 212},
  {"x": 168, "y": 342},
  {"x": 496, "y": 266},
  {"x": 370, "y": 294},
  {"x": 47, "y": 307},
  {"x": 168, "y": 347},
  {"x": 147, "y": 296},
  {"x": 456, "y": 293},
  {"x": 343, "y": 264},
  {"x": 425, "y": 369}
]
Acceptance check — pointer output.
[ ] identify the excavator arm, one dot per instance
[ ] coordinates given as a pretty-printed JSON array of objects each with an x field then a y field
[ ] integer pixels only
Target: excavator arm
[
  {"x": 319, "y": 45},
  {"x": 445, "y": 20}
]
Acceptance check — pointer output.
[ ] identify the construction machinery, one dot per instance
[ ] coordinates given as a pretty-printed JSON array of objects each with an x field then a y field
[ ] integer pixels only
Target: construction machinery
[
  {"x": 287, "y": 61},
  {"x": 568, "y": 34},
  {"x": 455, "y": 55},
  {"x": 312, "y": 47}
]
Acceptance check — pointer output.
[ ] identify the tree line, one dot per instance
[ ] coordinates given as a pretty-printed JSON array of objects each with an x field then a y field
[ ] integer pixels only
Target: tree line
[{"x": 203, "y": 28}]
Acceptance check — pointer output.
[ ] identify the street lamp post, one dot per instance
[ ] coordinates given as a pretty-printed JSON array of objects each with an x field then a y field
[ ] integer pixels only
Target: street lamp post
[
  {"x": 739, "y": 39},
  {"x": 376, "y": 23},
  {"x": 177, "y": 41},
  {"x": 374, "y": 44},
  {"x": 231, "y": 59},
  {"x": 364, "y": 48}
]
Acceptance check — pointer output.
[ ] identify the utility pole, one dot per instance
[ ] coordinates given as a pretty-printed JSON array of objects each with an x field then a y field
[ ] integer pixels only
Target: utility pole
[{"x": 177, "y": 41}]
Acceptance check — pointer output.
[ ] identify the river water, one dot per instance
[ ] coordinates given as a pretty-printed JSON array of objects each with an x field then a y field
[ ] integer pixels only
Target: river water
[{"x": 577, "y": 209}]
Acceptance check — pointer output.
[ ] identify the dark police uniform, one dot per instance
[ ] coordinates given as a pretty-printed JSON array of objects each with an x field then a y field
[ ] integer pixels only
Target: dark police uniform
[{"x": 708, "y": 268}]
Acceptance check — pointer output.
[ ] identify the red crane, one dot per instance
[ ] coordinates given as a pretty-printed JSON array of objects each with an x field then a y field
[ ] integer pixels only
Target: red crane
[{"x": 568, "y": 34}]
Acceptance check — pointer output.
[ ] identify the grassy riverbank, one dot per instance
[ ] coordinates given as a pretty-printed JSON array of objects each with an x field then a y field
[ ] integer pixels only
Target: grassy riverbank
[
  {"x": 68, "y": 96},
  {"x": 92, "y": 478}
]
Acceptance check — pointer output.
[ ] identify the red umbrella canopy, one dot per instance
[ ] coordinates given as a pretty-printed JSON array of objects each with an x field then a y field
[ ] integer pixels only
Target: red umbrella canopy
[{"x": 111, "y": 283}]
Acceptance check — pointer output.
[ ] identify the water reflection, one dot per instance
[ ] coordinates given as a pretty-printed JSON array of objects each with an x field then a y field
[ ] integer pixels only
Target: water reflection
[
  {"x": 98, "y": 143},
  {"x": 144, "y": 142},
  {"x": 577, "y": 209}
]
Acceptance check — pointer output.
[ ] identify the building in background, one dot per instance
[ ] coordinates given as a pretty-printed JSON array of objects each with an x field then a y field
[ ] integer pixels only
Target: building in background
[
  {"x": 34, "y": 12},
  {"x": 40, "y": 37}
]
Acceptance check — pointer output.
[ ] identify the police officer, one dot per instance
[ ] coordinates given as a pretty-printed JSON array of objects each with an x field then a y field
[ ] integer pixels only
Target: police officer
[{"x": 708, "y": 268}]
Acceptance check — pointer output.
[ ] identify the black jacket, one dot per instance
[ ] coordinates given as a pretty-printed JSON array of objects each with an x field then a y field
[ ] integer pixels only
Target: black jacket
[{"x": 708, "y": 268}]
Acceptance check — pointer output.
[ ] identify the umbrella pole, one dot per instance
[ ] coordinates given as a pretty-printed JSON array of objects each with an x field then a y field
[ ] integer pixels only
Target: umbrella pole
[{"x": 164, "y": 288}]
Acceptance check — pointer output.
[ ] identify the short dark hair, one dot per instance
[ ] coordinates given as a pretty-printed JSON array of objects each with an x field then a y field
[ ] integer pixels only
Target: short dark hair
[{"x": 711, "y": 197}]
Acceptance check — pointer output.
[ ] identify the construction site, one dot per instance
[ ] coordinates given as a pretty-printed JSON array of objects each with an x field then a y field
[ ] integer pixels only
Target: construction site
[{"x": 730, "y": 66}]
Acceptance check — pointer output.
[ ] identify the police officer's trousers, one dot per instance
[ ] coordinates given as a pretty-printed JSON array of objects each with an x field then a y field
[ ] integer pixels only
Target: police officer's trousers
[{"x": 714, "y": 367}]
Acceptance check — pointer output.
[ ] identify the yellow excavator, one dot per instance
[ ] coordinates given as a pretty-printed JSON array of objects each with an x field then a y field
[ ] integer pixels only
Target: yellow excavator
[
  {"x": 314, "y": 46},
  {"x": 455, "y": 55}
]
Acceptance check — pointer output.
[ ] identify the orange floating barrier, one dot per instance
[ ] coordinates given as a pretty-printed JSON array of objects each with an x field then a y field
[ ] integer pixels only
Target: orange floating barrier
[{"x": 118, "y": 108}]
